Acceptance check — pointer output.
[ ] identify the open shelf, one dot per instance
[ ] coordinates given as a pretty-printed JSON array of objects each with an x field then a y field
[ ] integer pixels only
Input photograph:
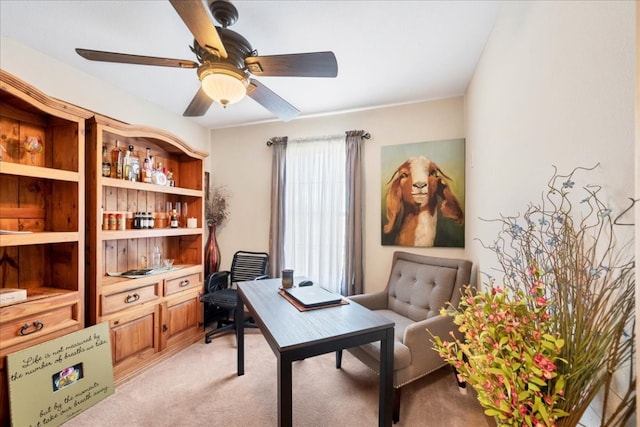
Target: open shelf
[
  {"x": 154, "y": 232},
  {"x": 38, "y": 172},
  {"x": 142, "y": 186},
  {"x": 37, "y": 238}
]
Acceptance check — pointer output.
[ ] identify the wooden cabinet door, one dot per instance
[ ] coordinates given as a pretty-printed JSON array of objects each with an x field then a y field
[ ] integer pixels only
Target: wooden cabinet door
[
  {"x": 134, "y": 337},
  {"x": 181, "y": 319}
]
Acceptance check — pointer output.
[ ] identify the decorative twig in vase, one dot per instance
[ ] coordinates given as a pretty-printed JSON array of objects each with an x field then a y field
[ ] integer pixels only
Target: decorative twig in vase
[
  {"x": 559, "y": 331},
  {"x": 217, "y": 207}
]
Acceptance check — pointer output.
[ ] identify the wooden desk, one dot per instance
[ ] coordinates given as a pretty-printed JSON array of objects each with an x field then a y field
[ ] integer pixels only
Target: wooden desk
[{"x": 295, "y": 335}]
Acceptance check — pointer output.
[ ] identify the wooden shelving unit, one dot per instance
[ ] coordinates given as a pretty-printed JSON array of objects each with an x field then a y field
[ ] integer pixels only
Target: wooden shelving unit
[
  {"x": 154, "y": 316},
  {"x": 42, "y": 197}
]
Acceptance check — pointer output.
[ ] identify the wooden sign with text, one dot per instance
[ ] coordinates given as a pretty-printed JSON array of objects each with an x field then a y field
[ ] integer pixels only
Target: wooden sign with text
[{"x": 52, "y": 382}]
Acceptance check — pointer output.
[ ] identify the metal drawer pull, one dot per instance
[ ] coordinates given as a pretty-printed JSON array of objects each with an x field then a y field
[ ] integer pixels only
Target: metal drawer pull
[
  {"x": 132, "y": 298},
  {"x": 184, "y": 283},
  {"x": 37, "y": 326}
]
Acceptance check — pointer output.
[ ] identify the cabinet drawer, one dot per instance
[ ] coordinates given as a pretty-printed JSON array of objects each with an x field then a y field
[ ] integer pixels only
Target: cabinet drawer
[
  {"x": 37, "y": 325},
  {"x": 129, "y": 298},
  {"x": 171, "y": 286}
]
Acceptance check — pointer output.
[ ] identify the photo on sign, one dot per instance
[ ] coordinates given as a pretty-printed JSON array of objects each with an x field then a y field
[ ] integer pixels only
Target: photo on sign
[{"x": 67, "y": 376}]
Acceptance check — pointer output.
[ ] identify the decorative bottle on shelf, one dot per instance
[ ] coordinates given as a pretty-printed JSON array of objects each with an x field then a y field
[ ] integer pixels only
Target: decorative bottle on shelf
[
  {"x": 174, "y": 219},
  {"x": 135, "y": 166},
  {"x": 116, "y": 161},
  {"x": 147, "y": 166},
  {"x": 126, "y": 163},
  {"x": 106, "y": 163}
]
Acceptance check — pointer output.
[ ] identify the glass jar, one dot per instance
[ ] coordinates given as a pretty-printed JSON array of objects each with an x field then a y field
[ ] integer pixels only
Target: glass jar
[
  {"x": 120, "y": 222},
  {"x": 137, "y": 221},
  {"x": 105, "y": 221},
  {"x": 112, "y": 222}
]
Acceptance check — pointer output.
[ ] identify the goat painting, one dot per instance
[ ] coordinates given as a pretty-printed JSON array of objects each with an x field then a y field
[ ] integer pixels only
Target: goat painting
[{"x": 418, "y": 194}]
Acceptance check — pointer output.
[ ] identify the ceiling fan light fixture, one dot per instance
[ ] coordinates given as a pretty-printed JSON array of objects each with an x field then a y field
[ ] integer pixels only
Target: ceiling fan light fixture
[{"x": 222, "y": 84}]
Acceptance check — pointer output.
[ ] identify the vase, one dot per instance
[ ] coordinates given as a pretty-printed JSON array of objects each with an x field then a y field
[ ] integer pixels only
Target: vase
[{"x": 211, "y": 252}]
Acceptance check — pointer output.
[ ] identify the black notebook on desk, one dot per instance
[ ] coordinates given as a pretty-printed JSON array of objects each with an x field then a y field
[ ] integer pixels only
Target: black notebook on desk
[{"x": 313, "y": 296}]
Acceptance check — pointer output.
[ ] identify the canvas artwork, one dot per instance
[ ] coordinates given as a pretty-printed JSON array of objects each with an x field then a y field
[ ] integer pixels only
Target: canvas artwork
[{"x": 422, "y": 188}]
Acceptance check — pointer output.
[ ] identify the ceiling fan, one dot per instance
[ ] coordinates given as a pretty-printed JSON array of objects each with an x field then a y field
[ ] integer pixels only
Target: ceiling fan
[{"x": 226, "y": 61}]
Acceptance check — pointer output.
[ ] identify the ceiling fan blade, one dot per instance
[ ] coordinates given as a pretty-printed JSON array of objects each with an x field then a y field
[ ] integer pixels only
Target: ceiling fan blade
[
  {"x": 199, "y": 105},
  {"x": 98, "y": 55},
  {"x": 314, "y": 64},
  {"x": 272, "y": 102},
  {"x": 199, "y": 22}
]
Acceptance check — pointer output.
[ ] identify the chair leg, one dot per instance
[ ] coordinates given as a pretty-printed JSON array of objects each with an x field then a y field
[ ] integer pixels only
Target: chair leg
[
  {"x": 338, "y": 359},
  {"x": 223, "y": 325},
  {"x": 396, "y": 405},
  {"x": 210, "y": 334}
]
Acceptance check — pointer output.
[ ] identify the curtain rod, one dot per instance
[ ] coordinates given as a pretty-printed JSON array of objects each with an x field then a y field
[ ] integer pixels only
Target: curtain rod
[{"x": 365, "y": 135}]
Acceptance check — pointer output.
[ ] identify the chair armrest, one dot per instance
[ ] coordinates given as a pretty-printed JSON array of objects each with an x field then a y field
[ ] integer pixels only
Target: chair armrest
[
  {"x": 374, "y": 301},
  {"x": 217, "y": 281},
  {"x": 419, "y": 333}
]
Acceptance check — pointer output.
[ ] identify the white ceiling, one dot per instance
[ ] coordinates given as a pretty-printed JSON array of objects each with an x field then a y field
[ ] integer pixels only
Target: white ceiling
[{"x": 388, "y": 52}]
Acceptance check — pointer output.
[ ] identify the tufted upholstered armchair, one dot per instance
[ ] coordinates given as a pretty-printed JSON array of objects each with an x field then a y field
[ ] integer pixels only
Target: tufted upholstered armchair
[{"x": 418, "y": 287}]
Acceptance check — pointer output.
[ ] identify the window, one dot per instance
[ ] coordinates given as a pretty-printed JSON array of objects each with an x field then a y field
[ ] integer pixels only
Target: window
[
  {"x": 315, "y": 213},
  {"x": 316, "y": 210}
]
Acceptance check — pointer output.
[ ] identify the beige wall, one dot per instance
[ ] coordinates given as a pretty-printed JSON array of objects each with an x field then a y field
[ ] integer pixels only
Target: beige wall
[
  {"x": 554, "y": 86},
  {"x": 242, "y": 162}
]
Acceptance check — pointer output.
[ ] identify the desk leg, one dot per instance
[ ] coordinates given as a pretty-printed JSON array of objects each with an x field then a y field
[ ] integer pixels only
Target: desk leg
[
  {"x": 239, "y": 320},
  {"x": 285, "y": 395},
  {"x": 386, "y": 380}
]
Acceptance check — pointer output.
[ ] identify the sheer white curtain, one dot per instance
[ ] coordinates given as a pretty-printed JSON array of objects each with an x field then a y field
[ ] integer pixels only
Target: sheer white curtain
[{"x": 315, "y": 217}]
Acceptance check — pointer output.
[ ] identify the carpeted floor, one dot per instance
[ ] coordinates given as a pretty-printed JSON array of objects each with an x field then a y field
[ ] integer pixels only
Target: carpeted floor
[{"x": 199, "y": 387}]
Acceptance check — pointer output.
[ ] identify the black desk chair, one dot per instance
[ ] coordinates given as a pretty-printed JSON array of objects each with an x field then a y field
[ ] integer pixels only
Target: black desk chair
[{"x": 221, "y": 299}]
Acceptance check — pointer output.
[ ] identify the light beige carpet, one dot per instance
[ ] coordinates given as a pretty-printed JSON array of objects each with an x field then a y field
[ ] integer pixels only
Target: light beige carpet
[{"x": 199, "y": 387}]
